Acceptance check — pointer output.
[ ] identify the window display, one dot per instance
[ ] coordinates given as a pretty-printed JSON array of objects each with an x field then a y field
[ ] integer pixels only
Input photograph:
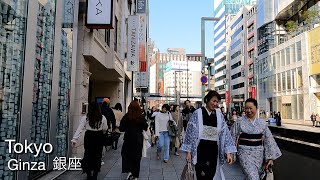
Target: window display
[
  {"x": 43, "y": 76},
  {"x": 12, "y": 49},
  {"x": 65, "y": 79}
]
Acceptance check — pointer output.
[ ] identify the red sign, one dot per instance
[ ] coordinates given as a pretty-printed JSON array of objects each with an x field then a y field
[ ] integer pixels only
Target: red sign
[
  {"x": 254, "y": 92},
  {"x": 227, "y": 97},
  {"x": 143, "y": 66}
]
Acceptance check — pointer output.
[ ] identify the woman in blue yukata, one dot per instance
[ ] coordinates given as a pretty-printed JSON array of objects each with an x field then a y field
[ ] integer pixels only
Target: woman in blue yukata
[
  {"x": 208, "y": 141},
  {"x": 257, "y": 148}
]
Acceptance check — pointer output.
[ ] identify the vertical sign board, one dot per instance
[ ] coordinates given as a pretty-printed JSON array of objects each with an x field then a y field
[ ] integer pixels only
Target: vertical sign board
[
  {"x": 99, "y": 14},
  {"x": 133, "y": 43},
  {"x": 141, "y": 79},
  {"x": 141, "y": 6},
  {"x": 142, "y": 38}
]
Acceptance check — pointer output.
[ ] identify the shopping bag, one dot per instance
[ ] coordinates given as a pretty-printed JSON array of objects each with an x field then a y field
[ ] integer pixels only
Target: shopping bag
[
  {"x": 269, "y": 176},
  {"x": 188, "y": 172}
]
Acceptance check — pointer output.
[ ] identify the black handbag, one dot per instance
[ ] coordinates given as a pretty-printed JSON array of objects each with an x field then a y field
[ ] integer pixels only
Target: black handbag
[
  {"x": 108, "y": 139},
  {"x": 172, "y": 128}
]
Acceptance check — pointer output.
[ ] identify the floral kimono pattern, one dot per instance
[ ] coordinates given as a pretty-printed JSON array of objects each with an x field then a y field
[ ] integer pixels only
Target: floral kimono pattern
[
  {"x": 224, "y": 141},
  {"x": 251, "y": 158}
]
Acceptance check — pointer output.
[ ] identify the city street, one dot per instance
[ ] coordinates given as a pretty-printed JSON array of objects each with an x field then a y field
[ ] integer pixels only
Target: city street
[{"x": 151, "y": 168}]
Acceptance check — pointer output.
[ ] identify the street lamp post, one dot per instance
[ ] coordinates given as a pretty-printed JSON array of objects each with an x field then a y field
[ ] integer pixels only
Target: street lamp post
[
  {"x": 203, "y": 19},
  {"x": 175, "y": 85}
]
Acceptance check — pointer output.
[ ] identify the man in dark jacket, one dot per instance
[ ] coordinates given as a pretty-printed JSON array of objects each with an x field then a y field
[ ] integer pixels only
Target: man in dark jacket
[
  {"x": 186, "y": 113},
  {"x": 108, "y": 113}
]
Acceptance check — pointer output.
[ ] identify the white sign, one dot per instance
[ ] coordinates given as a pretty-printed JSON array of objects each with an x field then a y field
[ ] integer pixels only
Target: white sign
[
  {"x": 141, "y": 79},
  {"x": 99, "y": 13},
  {"x": 133, "y": 43}
]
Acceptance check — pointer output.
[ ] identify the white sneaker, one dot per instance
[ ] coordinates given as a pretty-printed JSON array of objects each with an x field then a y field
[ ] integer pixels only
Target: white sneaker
[
  {"x": 129, "y": 175},
  {"x": 102, "y": 163}
]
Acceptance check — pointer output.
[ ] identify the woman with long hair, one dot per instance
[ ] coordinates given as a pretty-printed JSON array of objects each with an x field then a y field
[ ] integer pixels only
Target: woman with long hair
[
  {"x": 177, "y": 117},
  {"x": 95, "y": 125},
  {"x": 133, "y": 123},
  {"x": 117, "y": 110}
]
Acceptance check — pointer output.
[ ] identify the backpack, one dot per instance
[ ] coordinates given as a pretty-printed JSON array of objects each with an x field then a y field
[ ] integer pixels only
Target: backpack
[{"x": 172, "y": 128}]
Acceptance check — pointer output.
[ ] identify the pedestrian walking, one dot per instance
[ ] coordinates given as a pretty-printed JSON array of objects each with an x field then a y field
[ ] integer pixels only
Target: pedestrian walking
[
  {"x": 108, "y": 113},
  {"x": 257, "y": 148},
  {"x": 176, "y": 115},
  {"x": 208, "y": 143},
  {"x": 95, "y": 125},
  {"x": 118, "y": 114},
  {"x": 278, "y": 119},
  {"x": 317, "y": 119},
  {"x": 152, "y": 124},
  {"x": 186, "y": 113},
  {"x": 132, "y": 124},
  {"x": 161, "y": 131},
  {"x": 313, "y": 119}
]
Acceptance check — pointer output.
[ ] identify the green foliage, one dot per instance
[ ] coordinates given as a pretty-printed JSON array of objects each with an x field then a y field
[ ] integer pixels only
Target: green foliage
[
  {"x": 291, "y": 26},
  {"x": 309, "y": 15}
]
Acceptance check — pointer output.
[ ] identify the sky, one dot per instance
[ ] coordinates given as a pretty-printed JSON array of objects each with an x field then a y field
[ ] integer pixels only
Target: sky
[{"x": 177, "y": 24}]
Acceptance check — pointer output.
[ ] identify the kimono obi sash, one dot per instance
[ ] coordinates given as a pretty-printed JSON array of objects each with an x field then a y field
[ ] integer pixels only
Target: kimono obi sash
[
  {"x": 209, "y": 133},
  {"x": 250, "y": 139}
]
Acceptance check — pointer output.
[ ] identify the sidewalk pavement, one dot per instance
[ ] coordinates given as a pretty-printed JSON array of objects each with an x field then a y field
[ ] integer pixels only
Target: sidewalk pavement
[
  {"x": 150, "y": 168},
  {"x": 297, "y": 127}
]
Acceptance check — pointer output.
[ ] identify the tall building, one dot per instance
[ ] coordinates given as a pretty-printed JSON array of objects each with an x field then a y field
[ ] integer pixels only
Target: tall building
[
  {"x": 223, "y": 8},
  {"x": 52, "y": 66},
  {"x": 238, "y": 59},
  {"x": 173, "y": 65},
  {"x": 287, "y": 66}
]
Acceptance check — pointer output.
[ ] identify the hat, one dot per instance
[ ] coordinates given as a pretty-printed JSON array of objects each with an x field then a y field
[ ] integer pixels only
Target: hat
[{"x": 107, "y": 100}]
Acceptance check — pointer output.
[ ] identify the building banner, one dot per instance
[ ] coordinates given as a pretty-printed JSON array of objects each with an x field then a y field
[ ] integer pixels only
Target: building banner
[
  {"x": 99, "y": 14},
  {"x": 133, "y": 43},
  {"x": 141, "y": 79},
  {"x": 141, "y": 6},
  {"x": 142, "y": 38},
  {"x": 314, "y": 50},
  {"x": 254, "y": 92},
  {"x": 227, "y": 98}
]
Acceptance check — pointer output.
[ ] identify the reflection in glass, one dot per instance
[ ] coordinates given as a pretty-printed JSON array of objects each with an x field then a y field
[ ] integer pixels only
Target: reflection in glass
[
  {"x": 42, "y": 77},
  {"x": 12, "y": 49},
  {"x": 65, "y": 79}
]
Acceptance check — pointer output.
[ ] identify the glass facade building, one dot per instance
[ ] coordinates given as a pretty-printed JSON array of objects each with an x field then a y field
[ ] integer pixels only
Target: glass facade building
[{"x": 36, "y": 66}]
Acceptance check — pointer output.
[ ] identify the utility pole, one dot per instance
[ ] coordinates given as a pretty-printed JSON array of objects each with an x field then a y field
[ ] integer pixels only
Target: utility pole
[{"x": 203, "y": 48}]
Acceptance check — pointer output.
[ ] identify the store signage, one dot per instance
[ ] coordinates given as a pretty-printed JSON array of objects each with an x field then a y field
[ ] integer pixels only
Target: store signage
[
  {"x": 99, "y": 14},
  {"x": 133, "y": 43},
  {"x": 141, "y": 6},
  {"x": 142, "y": 38}
]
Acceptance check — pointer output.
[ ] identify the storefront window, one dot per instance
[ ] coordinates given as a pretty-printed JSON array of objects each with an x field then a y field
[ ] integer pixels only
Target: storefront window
[
  {"x": 287, "y": 55},
  {"x": 13, "y": 20},
  {"x": 299, "y": 78},
  {"x": 283, "y": 75},
  {"x": 65, "y": 78},
  {"x": 294, "y": 107},
  {"x": 288, "y": 80},
  {"x": 300, "y": 106},
  {"x": 283, "y": 57},
  {"x": 279, "y": 82},
  {"x": 292, "y": 55},
  {"x": 42, "y": 77},
  {"x": 294, "y": 79},
  {"x": 298, "y": 51}
]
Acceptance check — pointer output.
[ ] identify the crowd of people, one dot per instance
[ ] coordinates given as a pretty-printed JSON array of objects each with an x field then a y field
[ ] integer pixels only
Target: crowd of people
[{"x": 208, "y": 135}]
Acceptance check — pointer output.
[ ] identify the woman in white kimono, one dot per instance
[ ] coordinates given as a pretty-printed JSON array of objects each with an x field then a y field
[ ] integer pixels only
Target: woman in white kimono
[
  {"x": 208, "y": 142},
  {"x": 257, "y": 148}
]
